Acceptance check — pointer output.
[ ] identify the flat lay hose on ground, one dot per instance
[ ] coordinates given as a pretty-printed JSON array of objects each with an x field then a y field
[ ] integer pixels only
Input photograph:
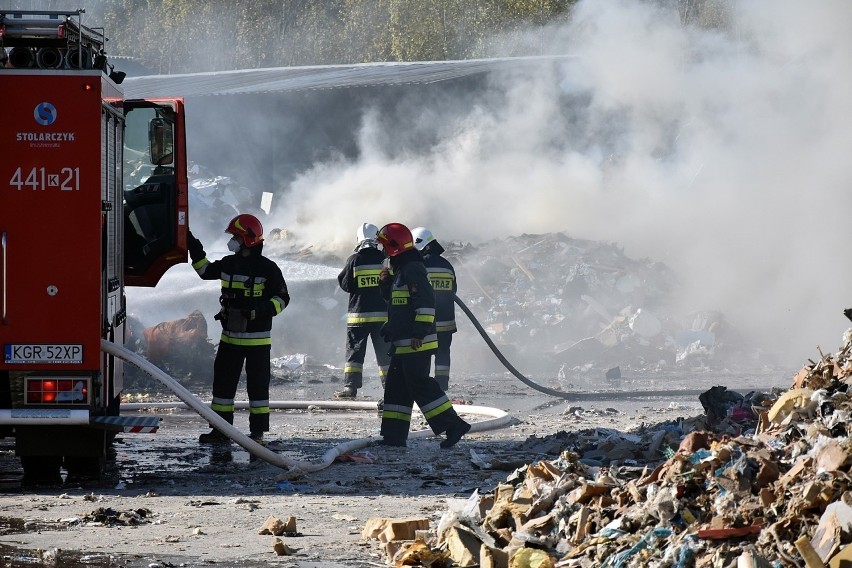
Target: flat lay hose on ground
[{"x": 497, "y": 418}]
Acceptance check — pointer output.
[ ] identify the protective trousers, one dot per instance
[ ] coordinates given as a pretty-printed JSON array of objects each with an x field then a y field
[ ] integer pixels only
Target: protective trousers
[
  {"x": 356, "y": 351},
  {"x": 408, "y": 381},
  {"x": 226, "y": 376},
  {"x": 442, "y": 359}
]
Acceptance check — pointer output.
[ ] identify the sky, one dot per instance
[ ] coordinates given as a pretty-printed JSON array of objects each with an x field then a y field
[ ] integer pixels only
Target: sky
[{"x": 723, "y": 153}]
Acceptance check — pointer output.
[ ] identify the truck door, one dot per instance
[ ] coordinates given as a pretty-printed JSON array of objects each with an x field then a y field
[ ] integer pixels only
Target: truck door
[{"x": 155, "y": 189}]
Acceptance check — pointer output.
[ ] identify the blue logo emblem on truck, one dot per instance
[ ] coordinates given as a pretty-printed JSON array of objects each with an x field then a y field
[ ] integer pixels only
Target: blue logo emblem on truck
[{"x": 45, "y": 114}]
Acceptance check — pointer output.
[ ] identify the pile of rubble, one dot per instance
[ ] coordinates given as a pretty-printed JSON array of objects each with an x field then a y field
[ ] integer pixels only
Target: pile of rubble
[
  {"x": 565, "y": 302},
  {"x": 213, "y": 199},
  {"x": 550, "y": 303},
  {"x": 758, "y": 481}
]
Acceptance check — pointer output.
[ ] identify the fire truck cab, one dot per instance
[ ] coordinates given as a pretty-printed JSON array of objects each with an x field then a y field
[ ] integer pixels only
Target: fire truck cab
[{"x": 93, "y": 198}]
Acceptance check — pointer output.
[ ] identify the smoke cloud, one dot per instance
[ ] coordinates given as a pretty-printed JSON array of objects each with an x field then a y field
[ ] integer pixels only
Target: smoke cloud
[
  {"x": 720, "y": 150},
  {"x": 723, "y": 152}
]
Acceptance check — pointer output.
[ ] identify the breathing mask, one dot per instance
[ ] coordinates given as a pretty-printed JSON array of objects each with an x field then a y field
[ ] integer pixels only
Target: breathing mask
[{"x": 234, "y": 244}]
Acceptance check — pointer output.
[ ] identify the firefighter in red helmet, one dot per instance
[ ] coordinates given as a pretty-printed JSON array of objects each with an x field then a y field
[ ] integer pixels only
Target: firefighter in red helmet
[
  {"x": 253, "y": 292},
  {"x": 411, "y": 331}
]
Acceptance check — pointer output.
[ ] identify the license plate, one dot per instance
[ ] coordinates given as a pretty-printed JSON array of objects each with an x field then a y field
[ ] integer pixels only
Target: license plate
[{"x": 61, "y": 353}]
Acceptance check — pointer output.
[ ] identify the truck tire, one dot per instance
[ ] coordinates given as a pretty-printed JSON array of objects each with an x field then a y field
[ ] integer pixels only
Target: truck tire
[
  {"x": 41, "y": 470},
  {"x": 84, "y": 469}
]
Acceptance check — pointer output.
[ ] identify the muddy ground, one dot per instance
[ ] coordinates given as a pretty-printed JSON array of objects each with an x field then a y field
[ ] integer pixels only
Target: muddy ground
[{"x": 168, "y": 501}]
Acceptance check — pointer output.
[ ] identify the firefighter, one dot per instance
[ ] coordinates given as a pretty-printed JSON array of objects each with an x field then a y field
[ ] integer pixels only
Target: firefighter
[
  {"x": 411, "y": 330},
  {"x": 253, "y": 292},
  {"x": 442, "y": 276},
  {"x": 367, "y": 310}
]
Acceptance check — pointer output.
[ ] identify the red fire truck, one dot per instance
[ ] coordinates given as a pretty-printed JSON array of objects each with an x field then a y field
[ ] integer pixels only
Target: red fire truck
[{"x": 93, "y": 198}]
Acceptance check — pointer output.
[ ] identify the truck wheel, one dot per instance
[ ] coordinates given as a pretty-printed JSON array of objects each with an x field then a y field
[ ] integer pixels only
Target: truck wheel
[
  {"x": 41, "y": 470},
  {"x": 84, "y": 469}
]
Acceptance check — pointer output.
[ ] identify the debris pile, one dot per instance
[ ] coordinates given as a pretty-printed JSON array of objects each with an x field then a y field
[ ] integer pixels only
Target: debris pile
[
  {"x": 213, "y": 198},
  {"x": 551, "y": 303},
  {"x": 760, "y": 480},
  {"x": 110, "y": 517},
  {"x": 569, "y": 301}
]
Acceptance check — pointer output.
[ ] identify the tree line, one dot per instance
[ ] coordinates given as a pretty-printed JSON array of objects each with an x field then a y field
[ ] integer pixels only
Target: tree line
[
  {"x": 185, "y": 36},
  {"x": 181, "y": 36}
]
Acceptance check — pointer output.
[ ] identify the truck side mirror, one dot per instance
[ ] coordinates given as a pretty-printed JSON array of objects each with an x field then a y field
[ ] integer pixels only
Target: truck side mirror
[{"x": 161, "y": 141}]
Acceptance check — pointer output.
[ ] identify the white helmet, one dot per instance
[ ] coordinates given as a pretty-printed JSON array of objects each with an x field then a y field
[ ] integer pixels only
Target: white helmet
[
  {"x": 422, "y": 237},
  {"x": 366, "y": 232}
]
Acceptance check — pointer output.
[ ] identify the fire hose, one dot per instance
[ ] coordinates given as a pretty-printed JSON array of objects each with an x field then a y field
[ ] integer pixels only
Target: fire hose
[
  {"x": 497, "y": 418},
  {"x": 506, "y": 363}
]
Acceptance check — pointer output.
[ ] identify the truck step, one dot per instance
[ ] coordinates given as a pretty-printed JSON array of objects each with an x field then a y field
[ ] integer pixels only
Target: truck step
[{"x": 133, "y": 424}]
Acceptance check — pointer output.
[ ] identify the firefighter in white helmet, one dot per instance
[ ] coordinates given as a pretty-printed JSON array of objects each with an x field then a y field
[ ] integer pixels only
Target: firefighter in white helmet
[
  {"x": 367, "y": 311},
  {"x": 442, "y": 276}
]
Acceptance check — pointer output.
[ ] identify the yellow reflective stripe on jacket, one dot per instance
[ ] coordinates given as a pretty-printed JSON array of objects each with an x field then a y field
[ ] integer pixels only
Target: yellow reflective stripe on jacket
[
  {"x": 367, "y": 276},
  {"x": 278, "y": 304},
  {"x": 247, "y": 339},
  {"x": 366, "y": 317},
  {"x": 440, "y": 279},
  {"x": 245, "y": 342},
  {"x": 400, "y": 297},
  {"x": 242, "y": 278},
  {"x": 426, "y": 346},
  {"x": 425, "y": 315},
  {"x": 256, "y": 290},
  {"x": 201, "y": 266}
]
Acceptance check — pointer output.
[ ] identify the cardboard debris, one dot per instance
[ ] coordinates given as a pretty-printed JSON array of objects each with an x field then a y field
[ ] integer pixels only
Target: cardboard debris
[
  {"x": 732, "y": 491},
  {"x": 390, "y": 529},
  {"x": 277, "y": 527},
  {"x": 282, "y": 549}
]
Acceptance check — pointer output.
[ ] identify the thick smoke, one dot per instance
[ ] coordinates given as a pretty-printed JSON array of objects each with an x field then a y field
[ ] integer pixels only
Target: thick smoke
[{"x": 722, "y": 152}]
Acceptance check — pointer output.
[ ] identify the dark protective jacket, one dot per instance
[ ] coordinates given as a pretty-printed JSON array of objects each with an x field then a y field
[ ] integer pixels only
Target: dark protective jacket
[
  {"x": 253, "y": 292},
  {"x": 360, "y": 277},
  {"x": 411, "y": 304},
  {"x": 442, "y": 276}
]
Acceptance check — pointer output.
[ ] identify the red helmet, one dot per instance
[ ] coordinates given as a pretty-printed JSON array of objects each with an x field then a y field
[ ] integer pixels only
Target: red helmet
[
  {"x": 395, "y": 238},
  {"x": 248, "y": 227}
]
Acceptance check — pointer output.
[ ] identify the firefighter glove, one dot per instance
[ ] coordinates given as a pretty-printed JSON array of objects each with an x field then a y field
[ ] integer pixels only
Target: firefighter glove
[
  {"x": 196, "y": 249},
  {"x": 848, "y": 313}
]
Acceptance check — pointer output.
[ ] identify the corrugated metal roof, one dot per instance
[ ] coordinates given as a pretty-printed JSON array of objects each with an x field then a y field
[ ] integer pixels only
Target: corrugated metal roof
[{"x": 281, "y": 79}]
